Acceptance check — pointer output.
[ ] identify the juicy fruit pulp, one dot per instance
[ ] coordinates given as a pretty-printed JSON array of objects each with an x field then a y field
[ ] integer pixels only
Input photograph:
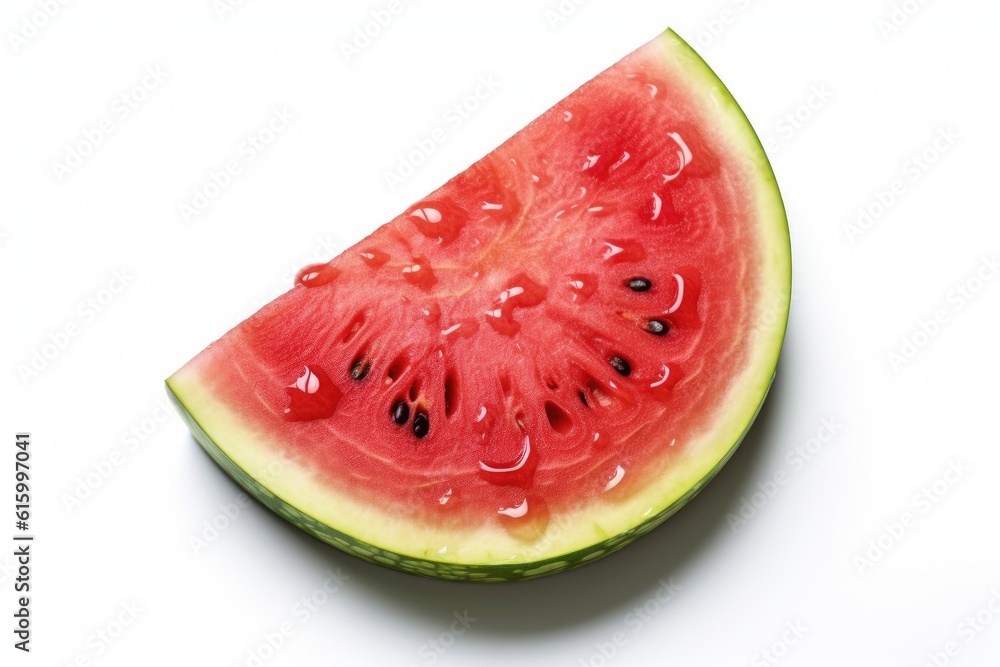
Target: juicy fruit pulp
[{"x": 538, "y": 362}]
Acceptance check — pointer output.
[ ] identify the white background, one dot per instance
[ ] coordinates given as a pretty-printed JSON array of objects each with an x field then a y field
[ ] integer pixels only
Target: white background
[{"x": 319, "y": 186}]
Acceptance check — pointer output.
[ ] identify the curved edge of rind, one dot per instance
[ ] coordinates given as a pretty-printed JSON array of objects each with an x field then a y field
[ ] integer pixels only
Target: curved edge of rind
[
  {"x": 428, "y": 568},
  {"x": 771, "y": 210},
  {"x": 762, "y": 162}
]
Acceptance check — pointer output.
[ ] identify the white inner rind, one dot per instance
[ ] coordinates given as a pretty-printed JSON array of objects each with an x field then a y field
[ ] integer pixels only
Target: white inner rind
[{"x": 489, "y": 543}]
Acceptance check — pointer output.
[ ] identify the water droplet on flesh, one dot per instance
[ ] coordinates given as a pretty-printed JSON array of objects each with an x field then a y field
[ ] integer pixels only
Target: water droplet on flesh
[
  {"x": 316, "y": 275},
  {"x": 664, "y": 374},
  {"x": 515, "y": 512},
  {"x": 615, "y": 478},
  {"x": 312, "y": 396},
  {"x": 657, "y": 206},
  {"x": 522, "y": 293},
  {"x": 583, "y": 285},
  {"x": 680, "y": 294},
  {"x": 419, "y": 273},
  {"x": 374, "y": 258},
  {"x": 438, "y": 220},
  {"x": 683, "y": 155},
  {"x": 622, "y": 160},
  {"x": 512, "y": 467}
]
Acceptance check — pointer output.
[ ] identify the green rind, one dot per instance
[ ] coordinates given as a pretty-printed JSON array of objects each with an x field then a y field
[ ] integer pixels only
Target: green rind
[
  {"x": 761, "y": 162},
  {"x": 771, "y": 208},
  {"x": 429, "y": 568}
]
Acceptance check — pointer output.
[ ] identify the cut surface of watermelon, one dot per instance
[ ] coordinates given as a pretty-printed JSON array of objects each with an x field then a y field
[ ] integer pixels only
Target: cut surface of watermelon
[{"x": 538, "y": 362}]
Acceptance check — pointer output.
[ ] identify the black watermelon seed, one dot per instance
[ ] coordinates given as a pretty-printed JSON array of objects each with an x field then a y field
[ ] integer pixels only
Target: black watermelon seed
[
  {"x": 639, "y": 284},
  {"x": 583, "y": 398},
  {"x": 621, "y": 366},
  {"x": 657, "y": 328},
  {"x": 359, "y": 371},
  {"x": 400, "y": 412},
  {"x": 421, "y": 424}
]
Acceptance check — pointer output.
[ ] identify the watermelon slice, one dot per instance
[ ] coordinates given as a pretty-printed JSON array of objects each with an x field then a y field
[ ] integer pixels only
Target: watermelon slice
[{"x": 537, "y": 363}]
